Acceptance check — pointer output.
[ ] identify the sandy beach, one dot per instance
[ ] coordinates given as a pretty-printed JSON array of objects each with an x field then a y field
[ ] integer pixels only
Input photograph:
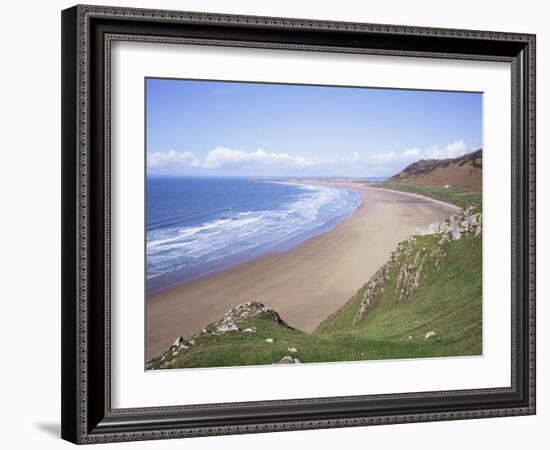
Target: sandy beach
[{"x": 305, "y": 284}]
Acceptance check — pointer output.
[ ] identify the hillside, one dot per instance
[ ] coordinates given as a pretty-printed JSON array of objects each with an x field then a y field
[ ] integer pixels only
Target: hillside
[
  {"x": 424, "y": 302},
  {"x": 463, "y": 172}
]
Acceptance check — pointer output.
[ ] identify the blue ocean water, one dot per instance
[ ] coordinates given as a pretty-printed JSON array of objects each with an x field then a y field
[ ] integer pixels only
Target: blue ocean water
[{"x": 196, "y": 226}]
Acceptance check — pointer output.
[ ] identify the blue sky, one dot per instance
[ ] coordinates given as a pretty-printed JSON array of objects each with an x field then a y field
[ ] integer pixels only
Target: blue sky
[{"x": 209, "y": 128}]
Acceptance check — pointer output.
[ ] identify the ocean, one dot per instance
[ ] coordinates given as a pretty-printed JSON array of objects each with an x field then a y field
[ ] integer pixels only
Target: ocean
[{"x": 198, "y": 226}]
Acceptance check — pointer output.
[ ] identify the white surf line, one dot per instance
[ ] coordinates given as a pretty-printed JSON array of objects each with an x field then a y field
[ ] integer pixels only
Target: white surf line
[
  {"x": 353, "y": 186},
  {"x": 411, "y": 194}
]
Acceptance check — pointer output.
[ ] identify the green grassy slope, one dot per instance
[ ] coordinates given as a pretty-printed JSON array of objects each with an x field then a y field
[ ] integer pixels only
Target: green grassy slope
[
  {"x": 452, "y": 194},
  {"x": 447, "y": 302}
]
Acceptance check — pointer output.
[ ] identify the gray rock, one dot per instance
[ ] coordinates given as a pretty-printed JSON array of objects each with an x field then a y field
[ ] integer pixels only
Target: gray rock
[
  {"x": 226, "y": 325},
  {"x": 229, "y": 323},
  {"x": 179, "y": 341},
  {"x": 255, "y": 309},
  {"x": 430, "y": 334},
  {"x": 463, "y": 221},
  {"x": 288, "y": 360}
]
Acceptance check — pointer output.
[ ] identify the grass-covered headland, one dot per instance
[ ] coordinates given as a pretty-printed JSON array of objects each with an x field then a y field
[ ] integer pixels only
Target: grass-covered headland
[{"x": 426, "y": 301}]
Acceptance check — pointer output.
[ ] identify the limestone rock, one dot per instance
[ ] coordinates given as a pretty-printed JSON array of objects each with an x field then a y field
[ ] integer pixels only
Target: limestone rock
[
  {"x": 463, "y": 221},
  {"x": 254, "y": 309},
  {"x": 179, "y": 341},
  {"x": 408, "y": 262},
  {"x": 288, "y": 360},
  {"x": 430, "y": 334},
  {"x": 229, "y": 323},
  {"x": 226, "y": 325}
]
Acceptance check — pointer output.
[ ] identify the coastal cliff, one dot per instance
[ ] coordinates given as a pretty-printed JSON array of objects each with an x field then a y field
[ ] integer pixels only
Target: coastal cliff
[{"x": 409, "y": 259}]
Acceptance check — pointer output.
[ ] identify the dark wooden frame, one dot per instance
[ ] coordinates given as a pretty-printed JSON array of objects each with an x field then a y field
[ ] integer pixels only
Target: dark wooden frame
[{"x": 87, "y": 32}]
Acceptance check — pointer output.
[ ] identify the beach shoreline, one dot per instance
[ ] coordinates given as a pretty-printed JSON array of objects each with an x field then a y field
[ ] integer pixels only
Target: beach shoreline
[
  {"x": 304, "y": 284},
  {"x": 178, "y": 277}
]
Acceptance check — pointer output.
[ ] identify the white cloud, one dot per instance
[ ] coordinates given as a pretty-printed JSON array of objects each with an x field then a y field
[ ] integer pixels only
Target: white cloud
[
  {"x": 452, "y": 150},
  {"x": 225, "y": 158},
  {"x": 411, "y": 152},
  {"x": 171, "y": 158},
  {"x": 409, "y": 155},
  {"x": 222, "y": 158}
]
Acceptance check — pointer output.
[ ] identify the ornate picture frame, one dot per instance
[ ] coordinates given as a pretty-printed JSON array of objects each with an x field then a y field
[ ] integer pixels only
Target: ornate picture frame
[{"x": 88, "y": 33}]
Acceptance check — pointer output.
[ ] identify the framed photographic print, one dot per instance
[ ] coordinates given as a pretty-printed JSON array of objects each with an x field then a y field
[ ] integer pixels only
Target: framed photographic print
[{"x": 277, "y": 224}]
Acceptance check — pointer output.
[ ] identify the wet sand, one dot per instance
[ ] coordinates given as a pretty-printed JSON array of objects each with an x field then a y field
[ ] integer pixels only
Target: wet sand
[{"x": 305, "y": 284}]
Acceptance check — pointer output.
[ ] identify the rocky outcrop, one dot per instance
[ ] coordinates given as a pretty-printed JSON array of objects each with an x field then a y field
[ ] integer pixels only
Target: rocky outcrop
[
  {"x": 165, "y": 360},
  {"x": 408, "y": 260},
  {"x": 374, "y": 288},
  {"x": 408, "y": 279},
  {"x": 248, "y": 310},
  {"x": 288, "y": 360},
  {"x": 464, "y": 221},
  {"x": 229, "y": 323}
]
